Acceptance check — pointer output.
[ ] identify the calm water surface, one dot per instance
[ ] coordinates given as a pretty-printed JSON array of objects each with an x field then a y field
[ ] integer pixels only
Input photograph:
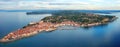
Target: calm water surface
[{"x": 98, "y": 36}]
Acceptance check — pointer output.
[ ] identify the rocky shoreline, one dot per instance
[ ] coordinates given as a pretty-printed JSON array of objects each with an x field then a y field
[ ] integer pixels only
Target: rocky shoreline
[
  {"x": 27, "y": 31},
  {"x": 35, "y": 28}
]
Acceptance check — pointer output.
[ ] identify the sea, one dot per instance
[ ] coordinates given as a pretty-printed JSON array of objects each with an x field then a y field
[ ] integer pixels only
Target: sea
[{"x": 107, "y": 35}]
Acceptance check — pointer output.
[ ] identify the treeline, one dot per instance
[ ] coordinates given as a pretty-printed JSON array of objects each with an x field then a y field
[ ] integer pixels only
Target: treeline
[{"x": 76, "y": 17}]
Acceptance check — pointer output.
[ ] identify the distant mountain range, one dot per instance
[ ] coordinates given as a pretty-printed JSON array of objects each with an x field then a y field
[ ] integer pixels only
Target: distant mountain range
[
  {"x": 86, "y": 11},
  {"x": 53, "y": 11}
]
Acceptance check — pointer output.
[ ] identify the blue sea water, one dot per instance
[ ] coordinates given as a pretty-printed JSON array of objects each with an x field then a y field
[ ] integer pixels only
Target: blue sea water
[{"x": 98, "y": 36}]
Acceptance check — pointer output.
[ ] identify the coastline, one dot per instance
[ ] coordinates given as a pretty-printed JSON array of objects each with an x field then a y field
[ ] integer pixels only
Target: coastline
[
  {"x": 35, "y": 28},
  {"x": 26, "y": 32}
]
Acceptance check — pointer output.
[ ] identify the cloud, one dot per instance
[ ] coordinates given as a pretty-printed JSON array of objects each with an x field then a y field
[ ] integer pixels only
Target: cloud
[
  {"x": 97, "y": 0},
  {"x": 8, "y": 0},
  {"x": 26, "y": 0},
  {"x": 35, "y": 3},
  {"x": 41, "y": 5},
  {"x": 58, "y": 4},
  {"x": 118, "y": 1}
]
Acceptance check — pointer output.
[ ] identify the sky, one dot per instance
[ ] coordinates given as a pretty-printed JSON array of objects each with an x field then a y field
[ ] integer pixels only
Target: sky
[{"x": 60, "y": 4}]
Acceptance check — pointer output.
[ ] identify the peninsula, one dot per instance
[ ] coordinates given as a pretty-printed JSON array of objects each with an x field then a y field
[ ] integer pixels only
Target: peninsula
[{"x": 57, "y": 19}]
